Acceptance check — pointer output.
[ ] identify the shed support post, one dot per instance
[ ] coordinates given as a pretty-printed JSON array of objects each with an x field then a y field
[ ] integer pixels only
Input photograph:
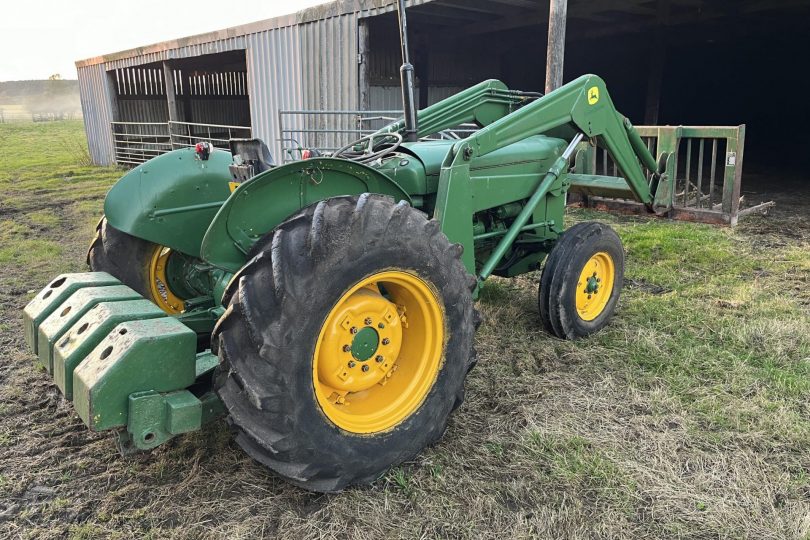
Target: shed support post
[
  {"x": 362, "y": 65},
  {"x": 171, "y": 98},
  {"x": 555, "y": 52},
  {"x": 654, "y": 82},
  {"x": 112, "y": 94},
  {"x": 111, "y": 90},
  {"x": 655, "y": 79},
  {"x": 423, "y": 72}
]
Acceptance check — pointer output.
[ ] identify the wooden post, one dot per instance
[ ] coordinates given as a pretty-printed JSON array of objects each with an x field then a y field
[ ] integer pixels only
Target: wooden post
[
  {"x": 422, "y": 69},
  {"x": 654, "y": 82},
  {"x": 364, "y": 102},
  {"x": 555, "y": 52},
  {"x": 171, "y": 98},
  {"x": 112, "y": 95},
  {"x": 111, "y": 89},
  {"x": 652, "y": 107}
]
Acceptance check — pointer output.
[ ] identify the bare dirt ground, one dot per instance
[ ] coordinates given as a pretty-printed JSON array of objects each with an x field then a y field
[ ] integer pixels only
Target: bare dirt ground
[{"x": 688, "y": 417}]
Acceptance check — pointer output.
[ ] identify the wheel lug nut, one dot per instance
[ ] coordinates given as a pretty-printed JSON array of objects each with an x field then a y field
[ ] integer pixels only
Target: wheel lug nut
[
  {"x": 353, "y": 330},
  {"x": 347, "y": 348},
  {"x": 386, "y": 341},
  {"x": 589, "y": 297},
  {"x": 365, "y": 368},
  {"x": 598, "y": 280},
  {"x": 367, "y": 321},
  {"x": 379, "y": 359},
  {"x": 352, "y": 363},
  {"x": 381, "y": 325}
]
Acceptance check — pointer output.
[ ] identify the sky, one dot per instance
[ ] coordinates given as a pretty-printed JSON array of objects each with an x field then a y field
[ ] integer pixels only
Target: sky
[{"x": 39, "y": 38}]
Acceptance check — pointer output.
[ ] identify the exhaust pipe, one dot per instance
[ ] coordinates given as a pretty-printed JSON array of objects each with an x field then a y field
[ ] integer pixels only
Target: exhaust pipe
[{"x": 407, "y": 78}]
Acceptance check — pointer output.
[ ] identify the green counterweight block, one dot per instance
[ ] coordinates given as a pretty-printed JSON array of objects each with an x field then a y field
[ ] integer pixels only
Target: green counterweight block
[
  {"x": 65, "y": 315},
  {"x": 136, "y": 356},
  {"x": 89, "y": 331},
  {"x": 52, "y": 296}
]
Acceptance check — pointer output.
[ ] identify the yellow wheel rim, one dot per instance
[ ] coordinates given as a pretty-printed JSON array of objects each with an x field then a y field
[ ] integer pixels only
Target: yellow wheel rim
[
  {"x": 379, "y": 352},
  {"x": 595, "y": 286},
  {"x": 162, "y": 294}
]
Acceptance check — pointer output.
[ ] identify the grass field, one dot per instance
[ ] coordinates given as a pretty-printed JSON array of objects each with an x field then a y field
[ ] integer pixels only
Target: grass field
[{"x": 688, "y": 417}]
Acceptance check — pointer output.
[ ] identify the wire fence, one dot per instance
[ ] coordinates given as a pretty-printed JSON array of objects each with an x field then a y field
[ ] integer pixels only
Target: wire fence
[{"x": 15, "y": 114}]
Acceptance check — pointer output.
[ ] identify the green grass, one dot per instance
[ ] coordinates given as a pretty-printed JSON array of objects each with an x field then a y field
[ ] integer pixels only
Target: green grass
[{"x": 686, "y": 417}]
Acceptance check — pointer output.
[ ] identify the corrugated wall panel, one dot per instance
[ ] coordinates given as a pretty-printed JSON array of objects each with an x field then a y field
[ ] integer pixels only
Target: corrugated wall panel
[
  {"x": 231, "y": 112},
  {"x": 274, "y": 81},
  {"x": 97, "y": 111},
  {"x": 389, "y": 98},
  {"x": 143, "y": 110},
  {"x": 329, "y": 53},
  {"x": 211, "y": 47}
]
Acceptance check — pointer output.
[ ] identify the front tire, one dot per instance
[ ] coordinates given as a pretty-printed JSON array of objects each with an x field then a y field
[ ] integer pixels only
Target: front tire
[
  {"x": 581, "y": 281},
  {"x": 346, "y": 341}
]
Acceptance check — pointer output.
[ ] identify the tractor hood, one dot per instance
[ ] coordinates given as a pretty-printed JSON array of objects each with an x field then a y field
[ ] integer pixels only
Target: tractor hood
[{"x": 421, "y": 176}]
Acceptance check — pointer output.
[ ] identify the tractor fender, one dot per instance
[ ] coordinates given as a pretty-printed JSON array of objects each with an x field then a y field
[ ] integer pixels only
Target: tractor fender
[
  {"x": 263, "y": 202},
  {"x": 171, "y": 199}
]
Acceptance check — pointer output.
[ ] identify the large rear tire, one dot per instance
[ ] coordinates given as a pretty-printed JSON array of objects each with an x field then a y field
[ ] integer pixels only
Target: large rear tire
[
  {"x": 346, "y": 341},
  {"x": 138, "y": 263}
]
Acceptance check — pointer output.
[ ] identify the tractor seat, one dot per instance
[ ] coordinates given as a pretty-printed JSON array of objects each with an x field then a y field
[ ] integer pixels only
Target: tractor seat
[{"x": 250, "y": 157}]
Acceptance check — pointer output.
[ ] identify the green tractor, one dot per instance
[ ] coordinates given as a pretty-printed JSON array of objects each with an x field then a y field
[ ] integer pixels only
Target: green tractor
[{"x": 326, "y": 307}]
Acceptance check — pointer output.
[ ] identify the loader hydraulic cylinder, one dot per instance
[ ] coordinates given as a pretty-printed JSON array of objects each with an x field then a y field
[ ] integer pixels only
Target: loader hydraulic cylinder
[{"x": 523, "y": 218}]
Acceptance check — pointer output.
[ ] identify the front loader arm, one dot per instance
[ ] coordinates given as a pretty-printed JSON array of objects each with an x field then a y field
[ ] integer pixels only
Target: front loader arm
[
  {"x": 580, "y": 108},
  {"x": 482, "y": 104},
  {"x": 585, "y": 106}
]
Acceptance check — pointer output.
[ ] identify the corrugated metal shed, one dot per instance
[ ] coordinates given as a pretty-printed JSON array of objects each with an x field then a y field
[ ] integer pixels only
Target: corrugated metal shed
[{"x": 305, "y": 60}]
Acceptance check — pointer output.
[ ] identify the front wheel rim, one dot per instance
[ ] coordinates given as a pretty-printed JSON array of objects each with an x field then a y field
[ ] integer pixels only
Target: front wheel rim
[
  {"x": 595, "y": 286},
  {"x": 379, "y": 352}
]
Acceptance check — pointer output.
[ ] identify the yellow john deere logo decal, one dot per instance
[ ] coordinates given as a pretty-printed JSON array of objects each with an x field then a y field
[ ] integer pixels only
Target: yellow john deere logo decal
[
  {"x": 233, "y": 186},
  {"x": 593, "y": 95}
]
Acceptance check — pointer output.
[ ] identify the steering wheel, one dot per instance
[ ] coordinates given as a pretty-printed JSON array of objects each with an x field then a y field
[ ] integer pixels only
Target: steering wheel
[{"x": 368, "y": 153}]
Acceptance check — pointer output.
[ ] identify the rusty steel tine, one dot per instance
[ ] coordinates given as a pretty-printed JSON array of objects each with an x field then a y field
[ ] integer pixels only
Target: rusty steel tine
[
  {"x": 712, "y": 172},
  {"x": 688, "y": 170},
  {"x": 700, "y": 175}
]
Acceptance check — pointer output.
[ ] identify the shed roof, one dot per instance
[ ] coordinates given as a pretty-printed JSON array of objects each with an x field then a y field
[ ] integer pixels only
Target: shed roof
[{"x": 308, "y": 15}]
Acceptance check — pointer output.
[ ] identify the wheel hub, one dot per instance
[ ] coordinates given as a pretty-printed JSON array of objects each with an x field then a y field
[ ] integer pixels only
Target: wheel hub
[
  {"x": 366, "y": 325},
  {"x": 365, "y": 343},
  {"x": 379, "y": 352},
  {"x": 595, "y": 286}
]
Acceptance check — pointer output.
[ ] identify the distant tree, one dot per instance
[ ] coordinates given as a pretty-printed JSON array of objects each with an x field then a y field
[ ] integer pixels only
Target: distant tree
[{"x": 55, "y": 77}]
